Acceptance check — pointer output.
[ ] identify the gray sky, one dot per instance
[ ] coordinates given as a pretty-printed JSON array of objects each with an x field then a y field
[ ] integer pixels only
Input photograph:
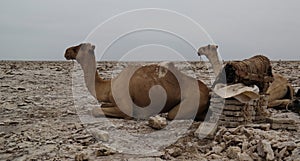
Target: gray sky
[{"x": 42, "y": 30}]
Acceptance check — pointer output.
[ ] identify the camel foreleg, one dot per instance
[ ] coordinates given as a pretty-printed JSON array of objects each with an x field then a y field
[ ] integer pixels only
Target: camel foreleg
[
  {"x": 186, "y": 109},
  {"x": 109, "y": 112}
]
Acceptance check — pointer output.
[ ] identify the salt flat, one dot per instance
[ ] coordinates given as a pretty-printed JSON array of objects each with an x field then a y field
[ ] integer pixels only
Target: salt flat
[{"x": 42, "y": 118}]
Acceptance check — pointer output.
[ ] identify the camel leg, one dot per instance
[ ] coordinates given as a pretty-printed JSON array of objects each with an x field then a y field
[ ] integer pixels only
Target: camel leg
[
  {"x": 280, "y": 103},
  {"x": 109, "y": 112},
  {"x": 172, "y": 114},
  {"x": 186, "y": 109}
]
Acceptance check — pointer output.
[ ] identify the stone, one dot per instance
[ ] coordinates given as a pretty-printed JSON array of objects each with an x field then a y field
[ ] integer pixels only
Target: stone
[
  {"x": 233, "y": 107},
  {"x": 281, "y": 153},
  {"x": 281, "y": 121},
  {"x": 174, "y": 152},
  {"x": 232, "y": 119},
  {"x": 217, "y": 149},
  {"x": 268, "y": 150},
  {"x": 103, "y": 151},
  {"x": 81, "y": 157},
  {"x": 157, "y": 122},
  {"x": 245, "y": 145},
  {"x": 276, "y": 126},
  {"x": 244, "y": 157},
  {"x": 21, "y": 88},
  {"x": 230, "y": 124},
  {"x": 10, "y": 122},
  {"x": 8, "y": 106},
  {"x": 265, "y": 127},
  {"x": 234, "y": 102},
  {"x": 216, "y": 156},
  {"x": 100, "y": 134},
  {"x": 295, "y": 154},
  {"x": 144, "y": 159},
  {"x": 206, "y": 130},
  {"x": 260, "y": 150},
  {"x": 233, "y": 152},
  {"x": 236, "y": 113},
  {"x": 290, "y": 145}
]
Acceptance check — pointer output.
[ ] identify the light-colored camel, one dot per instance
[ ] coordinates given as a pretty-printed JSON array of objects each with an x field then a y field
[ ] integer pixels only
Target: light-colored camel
[
  {"x": 142, "y": 91},
  {"x": 280, "y": 92}
]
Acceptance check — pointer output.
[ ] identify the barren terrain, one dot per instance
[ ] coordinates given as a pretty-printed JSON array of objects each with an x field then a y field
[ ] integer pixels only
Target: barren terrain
[{"x": 44, "y": 116}]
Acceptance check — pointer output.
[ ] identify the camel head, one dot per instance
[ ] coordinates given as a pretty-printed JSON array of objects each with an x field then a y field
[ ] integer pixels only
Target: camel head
[
  {"x": 208, "y": 50},
  {"x": 211, "y": 53},
  {"x": 76, "y": 52}
]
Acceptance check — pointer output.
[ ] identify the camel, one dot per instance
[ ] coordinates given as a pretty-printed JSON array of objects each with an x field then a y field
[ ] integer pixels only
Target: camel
[
  {"x": 142, "y": 91},
  {"x": 280, "y": 92}
]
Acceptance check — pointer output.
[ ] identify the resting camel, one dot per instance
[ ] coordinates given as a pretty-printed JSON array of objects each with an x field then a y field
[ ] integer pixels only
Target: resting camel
[
  {"x": 143, "y": 91},
  {"x": 280, "y": 92}
]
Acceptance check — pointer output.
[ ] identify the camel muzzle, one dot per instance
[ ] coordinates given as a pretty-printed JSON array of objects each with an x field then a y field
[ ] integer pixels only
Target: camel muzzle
[
  {"x": 69, "y": 56},
  {"x": 199, "y": 54}
]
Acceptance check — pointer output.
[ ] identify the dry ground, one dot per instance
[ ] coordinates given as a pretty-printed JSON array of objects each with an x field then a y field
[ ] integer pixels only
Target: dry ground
[{"x": 42, "y": 119}]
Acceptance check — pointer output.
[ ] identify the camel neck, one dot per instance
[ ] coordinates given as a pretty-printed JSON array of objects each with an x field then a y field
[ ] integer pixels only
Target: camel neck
[
  {"x": 90, "y": 76},
  {"x": 103, "y": 88},
  {"x": 215, "y": 62},
  {"x": 98, "y": 87}
]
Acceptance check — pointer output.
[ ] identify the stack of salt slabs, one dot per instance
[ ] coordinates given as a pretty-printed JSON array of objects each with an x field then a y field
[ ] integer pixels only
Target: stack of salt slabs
[
  {"x": 232, "y": 113},
  {"x": 283, "y": 123}
]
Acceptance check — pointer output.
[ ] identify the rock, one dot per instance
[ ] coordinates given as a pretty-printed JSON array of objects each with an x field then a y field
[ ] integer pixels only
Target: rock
[
  {"x": 157, "y": 122},
  {"x": 206, "y": 130},
  {"x": 144, "y": 159},
  {"x": 265, "y": 127},
  {"x": 103, "y": 151},
  {"x": 255, "y": 156},
  {"x": 281, "y": 121},
  {"x": 284, "y": 126},
  {"x": 229, "y": 124},
  {"x": 217, "y": 149},
  {"x": 290, "y": 145},
  {"x": 244, "y": 157},
  {"x": 2, "y": 134},
  {"x": 232, "y": 119},
  {"x": 10, "y": 122},
  {"x": 21, "y": 88},
  {"x": 174, "y": 152},
  {"x": 265, "y": 150},
  {"x": 233, "y": 152},
  {"x": 281, "y": 153},
  {"x": 69, "y": 112},
  {"x": 235, "y": 113},
  {"x": 216, "y": 156},
  {"x": 78, "y": 126},
  {"x": 233, "y": 107},
  {"x": 81, "y": 157},
  {"x": 245, "y": 145},
  {"x": 100, "y": 134}
]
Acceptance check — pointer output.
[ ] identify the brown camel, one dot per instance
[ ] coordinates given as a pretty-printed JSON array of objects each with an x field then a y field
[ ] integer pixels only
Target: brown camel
[
  {"x": 142, "y": 91},
  {"x": 280, "y": 92}
]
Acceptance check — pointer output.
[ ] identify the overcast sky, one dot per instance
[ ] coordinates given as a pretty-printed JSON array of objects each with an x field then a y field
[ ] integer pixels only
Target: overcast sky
[{"x": 42, "y": 30}]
